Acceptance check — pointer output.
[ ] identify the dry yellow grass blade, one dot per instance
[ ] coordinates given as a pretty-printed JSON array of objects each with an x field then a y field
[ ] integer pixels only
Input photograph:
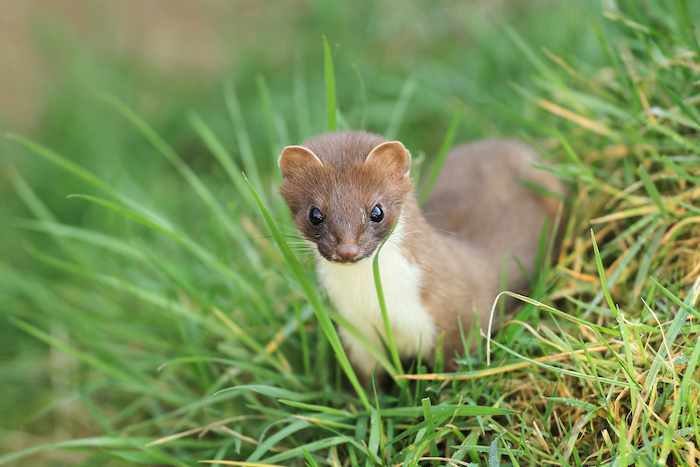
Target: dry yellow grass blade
[
  {"x": 576, "y": 118},
  {"x": 672, "y": 231},
  {"x": 581, "y": 276},
  {"x": 639, "y": 211},
  {"x": 502, "y": 369},
  {"x": 560, "y": 61},
  {"x": 203, "y": 429}
]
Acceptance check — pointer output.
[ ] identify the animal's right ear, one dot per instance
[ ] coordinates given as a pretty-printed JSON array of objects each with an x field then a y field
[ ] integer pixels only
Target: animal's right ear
[
  {"x": 392, "y": 155},
  {"x": 295, "y": 159}
]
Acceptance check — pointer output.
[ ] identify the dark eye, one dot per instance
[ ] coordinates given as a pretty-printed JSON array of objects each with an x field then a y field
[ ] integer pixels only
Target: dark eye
[
  {"x": 377, "y": 214},
  {"x": 315, "y": 216}
]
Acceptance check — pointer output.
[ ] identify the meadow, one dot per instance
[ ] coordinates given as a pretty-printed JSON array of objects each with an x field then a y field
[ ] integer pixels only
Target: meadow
[{"x": 152, "y": 312}]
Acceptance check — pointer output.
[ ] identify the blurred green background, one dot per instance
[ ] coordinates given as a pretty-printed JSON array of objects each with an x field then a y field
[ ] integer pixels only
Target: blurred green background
[{"x": 166, "y": 58}]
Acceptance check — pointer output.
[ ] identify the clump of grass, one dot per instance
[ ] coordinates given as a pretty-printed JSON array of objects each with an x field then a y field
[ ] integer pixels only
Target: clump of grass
[
  {"x": 201, "y": 343},
  {"x": 630, "y": 287}
]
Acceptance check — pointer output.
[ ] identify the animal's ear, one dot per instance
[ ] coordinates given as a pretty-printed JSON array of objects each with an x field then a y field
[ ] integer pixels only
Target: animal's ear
[
  {"x": 392, "y": 155},
  {"x": 295, "y": 159}
]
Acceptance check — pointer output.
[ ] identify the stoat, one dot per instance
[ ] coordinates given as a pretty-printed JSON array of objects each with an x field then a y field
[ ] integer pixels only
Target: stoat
[{"x": 347, "y": 190}]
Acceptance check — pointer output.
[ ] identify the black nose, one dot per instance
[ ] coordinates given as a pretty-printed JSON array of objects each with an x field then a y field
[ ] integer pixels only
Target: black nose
[{"x": 347, "y": 252}]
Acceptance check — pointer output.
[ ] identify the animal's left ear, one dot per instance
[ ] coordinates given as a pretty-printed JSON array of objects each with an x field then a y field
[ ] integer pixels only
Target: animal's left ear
[{"x": 392, "y": 155}]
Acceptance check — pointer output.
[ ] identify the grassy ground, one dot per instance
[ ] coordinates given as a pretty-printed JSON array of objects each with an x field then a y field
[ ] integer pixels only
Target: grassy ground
[{"x": 153, "y": 319}]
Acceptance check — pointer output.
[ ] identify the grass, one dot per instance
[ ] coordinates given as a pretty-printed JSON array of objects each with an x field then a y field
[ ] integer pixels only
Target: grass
[{"x": 175, "y": 331}]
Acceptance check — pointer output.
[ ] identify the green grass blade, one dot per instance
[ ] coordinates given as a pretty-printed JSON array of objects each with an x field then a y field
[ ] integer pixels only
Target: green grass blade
[
  {"x": 65, "y": 164},
  {"x": 680, "y": 401},
  {"x": 628, "y": 369},
  {"x": 270, "y": 125},
  {"x": 428, "y": 416},
  {"x": 653, "y": 191},
  {"x": 96, "y": 363},
  {"x": 645, "y": 264},
  {"x": 601, "y": 275},
  {"x": 202, "y": 253},
  {"x": 301, "y": 103},
  {"x": 83, "y": 174},
  {"x": 143, "y": 220},
  {"x": 221, "y": 154},
  {"x": 376, "y": 353},
  {"x": 309, "y": 460},
  {"x": 274, "y": 439},
  {"x": 562, "y": 370},
  {"x": 529, "y": 54},
  {"x": 674, "y": 135},
  {"x": 400, "y": 109},
  {"x": 494, "y": 454},
  {"x": 318, "y": 445},
  {"x": 195, "y": 182},
  {"x": 244, "y": 146},
  {"x": 148, "y": 297},
  {"x": 440, "y": 159},
  {"x": 446, "y": 410},
  {"x": 273, "y": 392},
  {"x": 679, "y": 102},
  {"x": 312, "y": 297},
  {"x": 42, "y": 212},
  {"x": 98, "y": 239},
  {"x": 587, "y": 406},
  {"x": 363, "y": 96},
  {"x": 102, "y": 442},
  {"x": 316, "y": 408},
  {"x": 29, "y": 197},
  {"x": 382, "y": 306},
  {"x": 375, "y": 434},
  {"x": 561, "y": 314},
  {"x": 331, "y": 103}
]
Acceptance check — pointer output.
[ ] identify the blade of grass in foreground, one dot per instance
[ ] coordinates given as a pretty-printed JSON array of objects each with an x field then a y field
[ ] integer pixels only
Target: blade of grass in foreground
[
  {"x": 203, "y": 254},
  {"x": 628, "y": 368},
  {"x": 437, "y": 166},
  {"x": 382, "y": 306},
  {"x": 98, "y": 442},
  {"x": 221, "y": 153},
  {"x": 363, "y": 96},
  {"x": 400, "y": 109},
  {"x": 653, "y": 192},
  {"x": 42, "y": 212},
  {"x": 331, "y": 103},
  {"x": 679, "y": 402},
  {"x": 199, "y": 187},
  {"x": 555, "y": 369},
  {"x": 239, "y": 126},
  {"x": 269, "y": 114},
  {"x": 301, "y": 101},
  {"x": 561, "y": 314},
  {"x": 81, "y": 173},
  {"x": 686, "y": 308},
  {"x": 376, "y": 353},
  {"x": 312, "y": 296},
  {"x": 99, "y": 364}
]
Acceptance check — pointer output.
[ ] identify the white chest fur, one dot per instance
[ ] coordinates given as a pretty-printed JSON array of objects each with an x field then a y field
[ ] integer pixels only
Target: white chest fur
[{"x": 353, "y": 294}]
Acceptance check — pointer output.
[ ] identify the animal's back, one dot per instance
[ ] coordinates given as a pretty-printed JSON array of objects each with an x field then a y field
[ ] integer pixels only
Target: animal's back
[{"x": 479, "y": 197}]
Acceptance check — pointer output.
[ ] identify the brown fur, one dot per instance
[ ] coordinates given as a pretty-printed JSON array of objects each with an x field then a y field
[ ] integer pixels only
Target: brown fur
[
  {"x": 342, "y": 187},
  {"x": 477, "y": 212},
  {"x": 483, "y": 212}
]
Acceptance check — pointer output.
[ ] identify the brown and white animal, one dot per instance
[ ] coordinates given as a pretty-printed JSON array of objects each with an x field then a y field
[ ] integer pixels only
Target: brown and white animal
[{"x": 346, "y": 190}]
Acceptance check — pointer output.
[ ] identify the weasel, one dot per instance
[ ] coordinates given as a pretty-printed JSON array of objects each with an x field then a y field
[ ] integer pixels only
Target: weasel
[{"x": 347, "y": 190}]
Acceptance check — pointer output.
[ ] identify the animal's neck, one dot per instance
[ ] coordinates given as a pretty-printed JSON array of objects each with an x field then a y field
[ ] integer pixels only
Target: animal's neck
[
  {"x": 352, "y": 291},
  {"x": 415, "y": 236}
]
